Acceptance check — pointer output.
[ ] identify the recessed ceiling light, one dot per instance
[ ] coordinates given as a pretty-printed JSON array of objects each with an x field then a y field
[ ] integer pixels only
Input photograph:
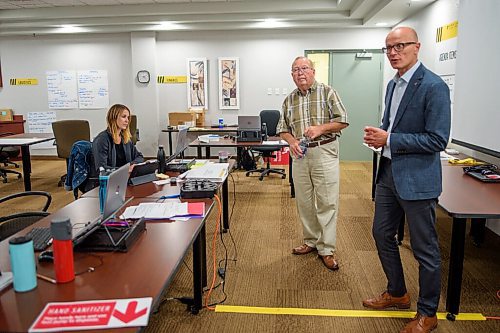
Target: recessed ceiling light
[
  {"x": 271, "y": 23},
  {"x": 381, "y": 24},
  {"x": 68, "y": 28},
  {"x": 166, "y": 25}
]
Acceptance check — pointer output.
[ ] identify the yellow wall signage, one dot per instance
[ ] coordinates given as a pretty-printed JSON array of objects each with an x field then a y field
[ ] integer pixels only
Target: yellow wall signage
[
  {"x": 171, "y": 79},
  {"x": 447, "y": 31},
  {"x": 23, "y": 82}
]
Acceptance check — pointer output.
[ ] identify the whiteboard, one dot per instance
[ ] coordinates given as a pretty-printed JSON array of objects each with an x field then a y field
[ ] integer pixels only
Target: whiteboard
[
  {"x": 476, "y": 117},
  {"x": 41, "y": 122}
]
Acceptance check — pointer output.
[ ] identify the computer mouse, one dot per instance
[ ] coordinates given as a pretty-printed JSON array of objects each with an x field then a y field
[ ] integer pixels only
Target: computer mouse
[{"x": 46, "y": 256}]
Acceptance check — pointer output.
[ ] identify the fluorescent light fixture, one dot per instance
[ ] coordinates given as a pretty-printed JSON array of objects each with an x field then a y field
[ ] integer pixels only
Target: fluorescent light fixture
[
  {"x": 271, "y": 23},
  {"x": 381, "y": 24}
]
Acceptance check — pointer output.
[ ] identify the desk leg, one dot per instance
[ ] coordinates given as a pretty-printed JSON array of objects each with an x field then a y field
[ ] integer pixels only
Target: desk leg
[
  {"x": 225, "y": 204},
  {"x": 199, "y": 153},
  {"x": 477, "y": 228},
  {"x": 25, "y": 150},
  {"x": 374, "y": 173},
  {"x": 455, "y": 268},
  {"x": 290, "y": 177},
  {"x": 170, "y": 142},
  {"x": 198, "y": 271},
  {"x": 207, "y": 153}
]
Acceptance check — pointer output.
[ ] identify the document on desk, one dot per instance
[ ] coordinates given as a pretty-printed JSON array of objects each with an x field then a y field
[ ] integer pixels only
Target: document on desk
[
  {"x": 215, "y": 172},
  {"x": 164, "y": 210},
  {"x": 274, "y": 142}
]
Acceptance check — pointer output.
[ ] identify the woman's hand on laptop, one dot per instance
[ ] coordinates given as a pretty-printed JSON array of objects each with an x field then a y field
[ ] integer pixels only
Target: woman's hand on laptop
[{"x": 130, "y": 168}]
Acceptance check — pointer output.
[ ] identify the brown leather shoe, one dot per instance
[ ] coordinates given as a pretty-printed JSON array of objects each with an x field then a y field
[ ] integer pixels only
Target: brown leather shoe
[
  {"x": 420, "y": 324},
  {"x": 330, "y": 262},
  {"x": 387, "y": 301},
  {"x": 303, "y": 249}
]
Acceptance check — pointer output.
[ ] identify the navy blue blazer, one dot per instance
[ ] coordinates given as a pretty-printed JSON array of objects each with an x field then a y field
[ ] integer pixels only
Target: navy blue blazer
[{"x": 420, "y": 131}]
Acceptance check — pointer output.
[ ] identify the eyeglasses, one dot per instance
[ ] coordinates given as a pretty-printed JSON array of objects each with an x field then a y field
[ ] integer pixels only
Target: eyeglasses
[
  {"x": 302, "y": 69},
  {"x": 398, "y": 47}
]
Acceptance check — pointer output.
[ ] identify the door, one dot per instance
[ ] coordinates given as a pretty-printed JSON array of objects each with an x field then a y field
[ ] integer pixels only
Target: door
[{"x": 357, "y": 77}]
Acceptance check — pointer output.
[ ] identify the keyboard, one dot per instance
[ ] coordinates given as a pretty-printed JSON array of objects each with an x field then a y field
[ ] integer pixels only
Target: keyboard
[{"x": 42, "y": 238}]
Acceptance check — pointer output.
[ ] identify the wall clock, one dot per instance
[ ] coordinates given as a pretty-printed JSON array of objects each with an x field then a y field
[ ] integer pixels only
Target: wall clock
[{"x": 143, "y": 76}]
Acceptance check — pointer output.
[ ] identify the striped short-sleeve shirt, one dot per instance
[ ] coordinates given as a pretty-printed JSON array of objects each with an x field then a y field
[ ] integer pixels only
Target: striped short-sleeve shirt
[{"x": 320, "y": 105}]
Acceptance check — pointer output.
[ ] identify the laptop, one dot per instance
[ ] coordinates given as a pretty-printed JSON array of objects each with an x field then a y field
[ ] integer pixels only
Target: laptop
[
  {"x": 115, "y": 199},
  {"x": 249, "y": 123}
]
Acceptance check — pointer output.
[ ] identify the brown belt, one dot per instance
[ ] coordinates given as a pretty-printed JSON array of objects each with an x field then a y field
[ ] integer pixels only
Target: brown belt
[{"x": 319, "y": 143}]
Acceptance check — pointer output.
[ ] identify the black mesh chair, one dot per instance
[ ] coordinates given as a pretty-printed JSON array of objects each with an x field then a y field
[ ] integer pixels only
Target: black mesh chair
[
  {"x": 6, "y": 153},
  {"x": 269, "y": 121},
  {"x": 15, "y": 222}
]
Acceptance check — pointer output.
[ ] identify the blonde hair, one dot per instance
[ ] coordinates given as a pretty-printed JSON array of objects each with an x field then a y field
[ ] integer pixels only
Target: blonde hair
[{"x": 113, "y": 113}]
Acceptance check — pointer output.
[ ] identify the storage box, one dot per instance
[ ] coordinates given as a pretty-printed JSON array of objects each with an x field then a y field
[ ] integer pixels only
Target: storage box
[
  {"x": 6, "y": 115},
  {"x": 181, "y": 118},
  {"x": 200, "y": 117}
]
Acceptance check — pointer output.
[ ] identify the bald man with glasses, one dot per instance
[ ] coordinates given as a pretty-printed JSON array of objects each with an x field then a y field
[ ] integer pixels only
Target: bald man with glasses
[
  {"x": 415, "y": 129},
  {"x": 314, "y": 114}
]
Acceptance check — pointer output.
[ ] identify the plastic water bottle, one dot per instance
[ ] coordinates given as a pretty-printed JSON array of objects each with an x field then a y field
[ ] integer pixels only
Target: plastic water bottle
[
  {"x": 162, "y": 167},
  {"x": 62, "y": 244},
  {"x": 264, "y": 131},
  {"x": 103, "y": 184},
  {"x": 221, "y": 123},
  {"x": 303, "y": 146}
]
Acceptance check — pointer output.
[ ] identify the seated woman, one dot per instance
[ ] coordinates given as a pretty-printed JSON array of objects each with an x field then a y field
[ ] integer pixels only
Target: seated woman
[{"x": 113, "y": 147}]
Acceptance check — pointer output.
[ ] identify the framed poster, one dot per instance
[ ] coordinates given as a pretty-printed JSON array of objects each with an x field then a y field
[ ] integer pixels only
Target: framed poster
[
  {"x": 197, "y": 92},
  {"x": 229, "y": 85}
]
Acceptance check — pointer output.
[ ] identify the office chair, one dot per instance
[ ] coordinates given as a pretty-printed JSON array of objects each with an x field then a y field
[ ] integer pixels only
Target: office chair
[
  {"x": 6, "y": 153},
  {"x": 13, "y": 223},
  {"x": 270, "y": 118},
  {"x": 134, "y": 131},
  {"x": 66, "y": 133}
]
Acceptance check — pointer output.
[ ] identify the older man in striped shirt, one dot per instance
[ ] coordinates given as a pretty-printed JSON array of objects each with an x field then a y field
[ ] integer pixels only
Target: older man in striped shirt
[{"x": 312, "y": 117}]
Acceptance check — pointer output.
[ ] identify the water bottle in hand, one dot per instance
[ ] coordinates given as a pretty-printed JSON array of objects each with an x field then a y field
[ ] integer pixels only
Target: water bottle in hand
[{"x": 303, "y": 146}]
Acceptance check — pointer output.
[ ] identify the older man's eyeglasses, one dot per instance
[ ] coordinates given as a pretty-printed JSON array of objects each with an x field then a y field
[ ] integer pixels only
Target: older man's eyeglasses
[
  {"x": 302, "y": 69},
  {"x": 397, "y": 47}
]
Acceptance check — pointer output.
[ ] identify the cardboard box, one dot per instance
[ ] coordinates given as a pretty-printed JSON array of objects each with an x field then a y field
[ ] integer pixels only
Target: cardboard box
[
  {"x": 200, "y": 117},
  {"x": 6, "y": 115},
  {"x": 181, "y": 118}
]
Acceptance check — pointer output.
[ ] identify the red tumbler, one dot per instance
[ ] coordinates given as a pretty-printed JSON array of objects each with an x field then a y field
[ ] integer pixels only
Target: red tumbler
[{"x": 62, "y": 245}]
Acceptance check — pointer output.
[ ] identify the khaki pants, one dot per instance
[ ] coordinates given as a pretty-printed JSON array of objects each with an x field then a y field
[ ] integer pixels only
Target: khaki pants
[{"x": 316, "y": 180}]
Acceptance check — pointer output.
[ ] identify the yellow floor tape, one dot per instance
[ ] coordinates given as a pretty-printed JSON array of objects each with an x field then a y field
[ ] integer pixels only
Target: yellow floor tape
[{"x": 337, "y": 313}]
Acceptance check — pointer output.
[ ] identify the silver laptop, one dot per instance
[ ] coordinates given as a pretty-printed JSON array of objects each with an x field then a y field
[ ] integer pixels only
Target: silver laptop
[
  {"x": 182, "y": 141},
  {"x": 115, "y": 199},
  {"x": 249, "y": 123}
]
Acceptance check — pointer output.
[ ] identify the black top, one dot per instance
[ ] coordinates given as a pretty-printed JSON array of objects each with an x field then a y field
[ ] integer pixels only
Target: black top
[{"x": 120, "y": 155}]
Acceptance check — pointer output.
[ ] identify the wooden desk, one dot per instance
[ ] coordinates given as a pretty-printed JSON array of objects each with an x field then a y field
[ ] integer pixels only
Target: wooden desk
[
  {"x": 238, "y": 144},
  {"x": 25, "y": 140},
  {"x": 204, "y": 130},
  {"x": 464, "y": 198},
  {"x": 153, "y": 191},
  {"x": 145, "y": 271}
]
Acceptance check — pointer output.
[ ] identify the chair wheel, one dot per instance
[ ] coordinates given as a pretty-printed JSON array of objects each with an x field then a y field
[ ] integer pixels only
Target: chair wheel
[
  {"x": 5, "y": 181},
  {"x": 261, "y": 178},
  {"x": 248, "y": 174},
  {"x": 283, "y": 177},
  {"x": 18, "y": 176}
]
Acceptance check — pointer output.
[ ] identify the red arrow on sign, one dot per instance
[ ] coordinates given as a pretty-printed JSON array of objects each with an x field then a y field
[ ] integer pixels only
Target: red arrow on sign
[{"x": 130, "y": 313}]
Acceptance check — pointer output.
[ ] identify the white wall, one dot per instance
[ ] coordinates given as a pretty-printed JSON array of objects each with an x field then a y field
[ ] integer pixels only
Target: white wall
[{"x": 265, "y": 60}]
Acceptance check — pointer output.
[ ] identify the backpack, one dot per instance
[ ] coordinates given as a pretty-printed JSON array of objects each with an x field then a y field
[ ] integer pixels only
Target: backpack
[{"x": 246, "y": 159}]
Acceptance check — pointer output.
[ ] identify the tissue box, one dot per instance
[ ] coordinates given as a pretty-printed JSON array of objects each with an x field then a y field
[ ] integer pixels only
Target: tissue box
[{"x": 6, "y": 115}]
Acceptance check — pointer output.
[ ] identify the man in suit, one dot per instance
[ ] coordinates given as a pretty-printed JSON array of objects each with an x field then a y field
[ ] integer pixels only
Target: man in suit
[{"x": 415, "y": 128}]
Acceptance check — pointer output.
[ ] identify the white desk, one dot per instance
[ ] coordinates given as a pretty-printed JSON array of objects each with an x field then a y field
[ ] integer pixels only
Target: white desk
[{"x": 24, "y": 141}]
